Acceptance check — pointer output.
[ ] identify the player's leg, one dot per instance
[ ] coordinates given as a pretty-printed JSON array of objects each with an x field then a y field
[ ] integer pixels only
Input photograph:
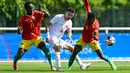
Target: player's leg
[
  {"x": 57, "y": 48},
  {"x": 54, "y": 42},
  {"x": 19, "y": 54},
  {"x": 78, "y": 47},
  {"x": 24, "y": 46},
  {"x": 100, "y": 54},
  {"x": 41, "y": 45},
  {"x": 96, "y": 47},
  {"x": 69, "y": 47}
]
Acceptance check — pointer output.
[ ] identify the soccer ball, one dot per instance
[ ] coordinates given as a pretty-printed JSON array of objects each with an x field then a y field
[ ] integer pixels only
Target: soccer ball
[{"x": 109, "y": 40}]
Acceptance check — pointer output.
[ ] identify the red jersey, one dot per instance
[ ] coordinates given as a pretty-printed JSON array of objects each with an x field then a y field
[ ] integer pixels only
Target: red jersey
[
  {"x": 88, "y": 30},
  {"x": 31, "y": 25}
]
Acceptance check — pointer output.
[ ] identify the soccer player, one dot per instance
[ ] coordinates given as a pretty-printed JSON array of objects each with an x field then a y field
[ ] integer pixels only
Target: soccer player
[
  {"x": 89, "y": 37},
  {"x": 29, "y": 27},
  {"x": 55, "y": 30}
]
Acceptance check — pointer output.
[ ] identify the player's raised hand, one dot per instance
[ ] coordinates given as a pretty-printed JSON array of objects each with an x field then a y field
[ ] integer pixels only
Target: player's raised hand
[
  {"x": 19, "y": 30},
  {"x": 87, "y": 5},
  {"x": 46, "y": 14},
  {"x": 95, "y": 33}
]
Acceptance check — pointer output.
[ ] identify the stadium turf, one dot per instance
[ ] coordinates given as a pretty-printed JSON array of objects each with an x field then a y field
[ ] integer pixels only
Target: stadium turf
[{"x": 41, "y": 67}]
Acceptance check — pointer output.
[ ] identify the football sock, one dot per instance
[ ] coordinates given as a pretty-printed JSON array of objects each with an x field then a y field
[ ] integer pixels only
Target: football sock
[
  {"x": 47, "y": 54},
  {"x": 107, "y": 59},
  {"x": 57, "y": 55},
  {"x": 78, "y": 60},
  {"x": 113, "y": 66},
  {"x": 71, "y": 60},
  {"x": 17, "y": 57}
]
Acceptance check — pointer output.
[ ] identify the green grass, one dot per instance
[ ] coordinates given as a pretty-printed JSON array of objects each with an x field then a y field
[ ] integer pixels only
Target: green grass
[{"x": 39, "y": 67}]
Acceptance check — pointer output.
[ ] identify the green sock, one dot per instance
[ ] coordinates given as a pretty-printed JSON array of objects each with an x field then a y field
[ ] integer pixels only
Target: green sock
[
  {"x": 47, "y": 54},
  {"x": 71, "y": 60},
  {"x": 113, "y": 66},
  {"x": 17, "y": 57},
  {"x": 107, "y": 59}
]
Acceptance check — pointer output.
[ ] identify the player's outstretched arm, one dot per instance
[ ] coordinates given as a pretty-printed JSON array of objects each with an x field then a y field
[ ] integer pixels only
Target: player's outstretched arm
[
  {"x": 87, "y": 6},
  {"x": 46, "y": 14},
  {"x": 47, "y": 32}
]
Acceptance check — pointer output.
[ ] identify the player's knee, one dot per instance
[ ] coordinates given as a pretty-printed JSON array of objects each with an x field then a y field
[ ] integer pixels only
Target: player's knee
[
  {"x": 41, "y": 44},
  {"x": 21, "y": 51},
  {"x": 57, "y": 47},
  {"x": 77, "y": 48},
  {"x": 43, "y": 47},
  {"x": 101, "y": 57}
]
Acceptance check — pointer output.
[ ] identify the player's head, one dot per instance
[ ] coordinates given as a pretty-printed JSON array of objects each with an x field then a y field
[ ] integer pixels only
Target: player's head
[
  {"x": 29, "y": 7},
  {"x": 69, "y": 13},
  {"x": 91, "y": 18}
]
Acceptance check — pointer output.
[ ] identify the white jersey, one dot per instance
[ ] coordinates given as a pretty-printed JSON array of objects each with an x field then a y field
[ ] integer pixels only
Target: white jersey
[{"x": 59, "y": 25}]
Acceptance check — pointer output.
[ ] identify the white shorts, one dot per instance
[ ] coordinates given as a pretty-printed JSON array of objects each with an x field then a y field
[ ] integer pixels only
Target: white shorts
[{"x": 55, "y": 40}]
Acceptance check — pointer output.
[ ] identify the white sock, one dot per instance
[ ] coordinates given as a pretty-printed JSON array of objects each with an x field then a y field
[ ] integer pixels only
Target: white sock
[
  {"x": 57, "y": 55},
  {"x": 78, "y": 60}
]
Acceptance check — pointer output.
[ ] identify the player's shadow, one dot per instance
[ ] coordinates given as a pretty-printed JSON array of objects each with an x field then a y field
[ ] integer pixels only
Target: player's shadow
[
  {"x": 92, "y": 70},
  {"x": 99, "y": 69},
  {"x": 27, "y": 70}
]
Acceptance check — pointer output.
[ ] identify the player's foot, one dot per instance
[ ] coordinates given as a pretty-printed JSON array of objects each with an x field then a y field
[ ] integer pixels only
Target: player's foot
[
  {"x": 113, "y": 66},
  {"x": 53, "y": 68},
  {"x": 85, "y": 66},
  {"x": 15, "y": 66},
  {"x": 59, "y": 69}
]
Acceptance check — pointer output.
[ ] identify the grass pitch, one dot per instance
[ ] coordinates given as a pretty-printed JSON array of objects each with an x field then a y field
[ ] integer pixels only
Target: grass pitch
[{"x": 40, "y": 67}]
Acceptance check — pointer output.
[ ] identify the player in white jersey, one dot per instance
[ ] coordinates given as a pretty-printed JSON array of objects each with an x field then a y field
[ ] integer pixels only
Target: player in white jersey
[{"x": 55, "y": 30}]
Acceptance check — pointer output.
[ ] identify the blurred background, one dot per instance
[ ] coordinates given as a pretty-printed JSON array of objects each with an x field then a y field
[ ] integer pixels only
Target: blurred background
[{"x": 110, "y": 13}]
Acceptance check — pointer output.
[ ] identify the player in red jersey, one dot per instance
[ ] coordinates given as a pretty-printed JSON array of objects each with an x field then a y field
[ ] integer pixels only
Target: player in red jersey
[
  {"x": 29, "y": 27},
  {"x": 89, "y": 37}
]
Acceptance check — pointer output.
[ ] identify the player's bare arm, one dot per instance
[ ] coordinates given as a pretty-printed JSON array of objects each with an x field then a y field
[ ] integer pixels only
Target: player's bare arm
[
  {"x": 87, "y": 6},
  {"x": 69, "y": 33},
  {"x": 47, "y": 26},
  {"x": 46, "y": 14},
  {"x": 47, "y": 32}
]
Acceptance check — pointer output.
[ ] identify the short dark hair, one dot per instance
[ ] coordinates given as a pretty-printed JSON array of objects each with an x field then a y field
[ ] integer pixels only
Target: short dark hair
[
  {"x": 91, "y": 15},
  {"x": 27, "y": 4},
  {"x": 71, "y": 9}
]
